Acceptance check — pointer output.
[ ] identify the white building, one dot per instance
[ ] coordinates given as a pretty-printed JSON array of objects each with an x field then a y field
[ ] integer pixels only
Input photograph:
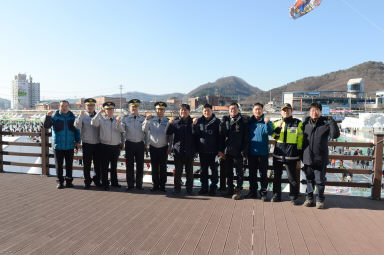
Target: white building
[{"x": 25, "y": 92}]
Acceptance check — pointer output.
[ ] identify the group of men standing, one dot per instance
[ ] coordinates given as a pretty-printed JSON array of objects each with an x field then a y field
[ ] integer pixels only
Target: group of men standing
[{"x": 235, "y": 139}]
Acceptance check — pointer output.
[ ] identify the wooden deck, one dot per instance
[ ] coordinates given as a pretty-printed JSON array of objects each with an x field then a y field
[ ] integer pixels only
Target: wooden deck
[{"x": 36, "y": 218}]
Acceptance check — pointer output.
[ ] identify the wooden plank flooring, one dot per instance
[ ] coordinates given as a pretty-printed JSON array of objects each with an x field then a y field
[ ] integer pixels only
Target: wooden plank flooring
[{"x": 36, "y": 218}]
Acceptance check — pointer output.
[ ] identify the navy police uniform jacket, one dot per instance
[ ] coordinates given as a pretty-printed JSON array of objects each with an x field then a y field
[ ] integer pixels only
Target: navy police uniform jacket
[
  {"x": 207, "y": 132},
  {"x": 236, "y": 136},
  {"x": 184, "y": 139}
]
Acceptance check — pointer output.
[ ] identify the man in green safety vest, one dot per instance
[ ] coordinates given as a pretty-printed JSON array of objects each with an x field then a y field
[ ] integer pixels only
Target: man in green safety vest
[{"x": 288, "y": 134}]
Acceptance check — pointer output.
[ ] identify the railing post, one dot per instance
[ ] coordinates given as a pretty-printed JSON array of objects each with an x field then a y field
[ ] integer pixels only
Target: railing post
[
  {"x": 378, "y": 166},
  {"x": 1, "y": 149},
  {"x": 44, "y": 152}
]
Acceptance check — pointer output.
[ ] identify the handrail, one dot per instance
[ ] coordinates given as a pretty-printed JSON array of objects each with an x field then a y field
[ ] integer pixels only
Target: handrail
[{"x": 377, "y": 158}]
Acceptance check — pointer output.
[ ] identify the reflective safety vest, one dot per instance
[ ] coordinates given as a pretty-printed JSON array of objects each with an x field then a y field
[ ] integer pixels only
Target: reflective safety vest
[{"x": 289, "y": 139}]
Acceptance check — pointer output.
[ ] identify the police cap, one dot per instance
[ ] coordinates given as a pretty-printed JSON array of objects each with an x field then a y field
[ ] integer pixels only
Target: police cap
[
  {"x": 286, "y": 106},
  {"x": 89, "y": 101},
  {"x": 160, "y": 105},
  {"x": 109, "y": 105},
  {"x": 134, "y": 102}
]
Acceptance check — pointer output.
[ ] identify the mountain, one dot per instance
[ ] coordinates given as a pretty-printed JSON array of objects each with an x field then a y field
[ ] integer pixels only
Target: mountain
[
  {"x": 373, "y": 72},
  {"x": 147, "y": 97},
  {"x": 231, "y": 86}
]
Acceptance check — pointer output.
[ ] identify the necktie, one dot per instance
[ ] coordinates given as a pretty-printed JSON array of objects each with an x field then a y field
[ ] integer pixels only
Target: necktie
[
  {"x": 135, "y": 116},
  {"x": 111, "y": 119},
  {"x": 159, "y": 121}
]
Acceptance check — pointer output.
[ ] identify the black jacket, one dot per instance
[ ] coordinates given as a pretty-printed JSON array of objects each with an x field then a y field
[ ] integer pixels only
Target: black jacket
[
  {"x": 315, "y": 143},
  {"x": 236, "y": 136},
  {"x": 207, "y": 131},
  {"x": 184, "y": 140}
]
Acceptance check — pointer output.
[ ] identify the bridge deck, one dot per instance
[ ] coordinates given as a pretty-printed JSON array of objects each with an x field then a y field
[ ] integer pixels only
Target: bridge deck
[{"x": 35, "y": 218}]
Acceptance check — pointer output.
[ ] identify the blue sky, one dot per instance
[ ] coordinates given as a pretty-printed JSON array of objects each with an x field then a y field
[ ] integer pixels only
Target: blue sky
[{"x": 87, "y": 48}]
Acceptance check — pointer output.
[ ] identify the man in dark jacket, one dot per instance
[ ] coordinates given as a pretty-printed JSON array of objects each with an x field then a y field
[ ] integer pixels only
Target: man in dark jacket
[
  {"x": 207, "y": 131},
  {"x": 317, "y": 129},
  {"x": 234, "y": 129},
  {"x": 65, "y": 138},
  {"x": 184, "y": 148},
  {"x": 259, "y": 129}
]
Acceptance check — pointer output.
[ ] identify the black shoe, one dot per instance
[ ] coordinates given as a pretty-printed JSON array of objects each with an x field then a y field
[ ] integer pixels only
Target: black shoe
[
  {"x": 97, "y": 183},
  {"x": 69, "y": 185},
  {"x": 176, "y": 192},
  {"x": 106, "y": 188},
  {"x": 154, "y": 189},
  {"x": 190, "y": 192},
  {"x": 276, "y": 199},
  {"x": 60, "y": 186},
  {"x": 139, "y": 188},
  {"x": 116, "y": 185},
  {"x": 295, "y": 201},
  {"x": 251, "y": 194},
  {"x": 212, "y": 192},
  {"x": 87, "y": 186},
  {"x": 264, "y": 198},
  {"x": 228, "y": 193},
  {"x": 163, "y": 190},
  {"x": 203, "y": 192}
]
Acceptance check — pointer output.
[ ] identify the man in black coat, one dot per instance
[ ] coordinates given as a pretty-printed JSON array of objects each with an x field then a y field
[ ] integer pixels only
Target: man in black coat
[
  {"x": 207, "y": 131},
  {"x": 234, "y": 129},
  {"x": 317, "y": 129},
  {"x": 184, "y": 147}
]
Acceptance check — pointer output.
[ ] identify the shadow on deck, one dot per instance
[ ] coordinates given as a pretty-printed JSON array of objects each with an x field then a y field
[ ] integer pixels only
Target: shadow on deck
[{"x": 35, "y": 218}]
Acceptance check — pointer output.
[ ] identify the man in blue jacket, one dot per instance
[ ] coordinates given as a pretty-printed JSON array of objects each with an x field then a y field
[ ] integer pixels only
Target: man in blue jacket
[
  {"x": 184, "y": 147},
  {"x": 207, "y": 131},
  {"x": 259, "y": 129},
  {"x": 65, "y": 138}
]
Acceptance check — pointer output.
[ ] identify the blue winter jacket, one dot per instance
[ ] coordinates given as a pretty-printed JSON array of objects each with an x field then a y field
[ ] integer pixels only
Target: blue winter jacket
[
  {"x": 64, "y": 134},
  {"x": 258, "y": 135}
]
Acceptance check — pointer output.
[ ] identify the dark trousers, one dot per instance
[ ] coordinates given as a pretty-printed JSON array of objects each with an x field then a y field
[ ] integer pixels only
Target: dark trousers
[
  {"x": 260, "y": 163},
  {"x": 208, "y": 160},
  {"x": 91, "y": 152},
  {"x": 294, "y": 185},
  {"x": 315, "y": 177},
  {"x": 110, "y": 155},
  {"x": 159, "y": 158},
  {"x": 60, "y": 155},
  {"x": 134, "y": 152},
  {"x": 180, "y": 163},
  {"x": 237, "y": 162}
]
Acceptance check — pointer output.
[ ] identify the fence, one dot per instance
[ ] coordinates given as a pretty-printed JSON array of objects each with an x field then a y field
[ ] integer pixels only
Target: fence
[{"x": 376, "y": 172}]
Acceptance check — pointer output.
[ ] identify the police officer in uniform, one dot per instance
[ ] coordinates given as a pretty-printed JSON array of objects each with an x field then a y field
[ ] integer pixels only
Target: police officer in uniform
[
  {"x": 134, "y": 144},
  {"x": 288, "y": 133},
  {"x": 111, "y": 138},
  {"x": 160, "y": 145},
  {"x": 90, "y": 137},
  {"x": 207, "y": 131}
]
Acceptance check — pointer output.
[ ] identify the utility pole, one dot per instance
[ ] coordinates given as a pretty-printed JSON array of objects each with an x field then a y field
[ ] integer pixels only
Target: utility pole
[{"x": 121, "y": 95}]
